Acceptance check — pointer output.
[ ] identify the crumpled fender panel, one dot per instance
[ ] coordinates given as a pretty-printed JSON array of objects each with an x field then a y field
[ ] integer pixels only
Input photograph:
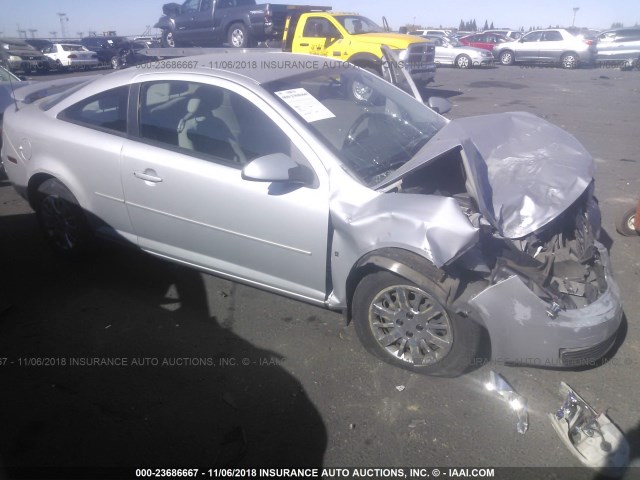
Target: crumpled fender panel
[{"x": 430, "y": 226}]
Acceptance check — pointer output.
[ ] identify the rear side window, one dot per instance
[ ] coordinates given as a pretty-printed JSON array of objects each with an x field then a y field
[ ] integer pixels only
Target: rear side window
[{"x": 104, "y": 111}]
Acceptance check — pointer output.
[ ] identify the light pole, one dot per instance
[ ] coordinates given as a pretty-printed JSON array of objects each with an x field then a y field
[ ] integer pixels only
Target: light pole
[
  {"x": 53, "y": 34},
  {"x": 33, "y": 31},
  {"x": 575, "y": 10},
  {"x": 63, "y": 18}
]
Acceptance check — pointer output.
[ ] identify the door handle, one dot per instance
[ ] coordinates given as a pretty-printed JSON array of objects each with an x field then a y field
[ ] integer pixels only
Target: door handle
[{"x": 148, "y": 176}]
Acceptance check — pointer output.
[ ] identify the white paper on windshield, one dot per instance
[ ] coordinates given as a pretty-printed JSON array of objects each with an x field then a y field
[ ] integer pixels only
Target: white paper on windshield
[{"x": 305, "y": 104}]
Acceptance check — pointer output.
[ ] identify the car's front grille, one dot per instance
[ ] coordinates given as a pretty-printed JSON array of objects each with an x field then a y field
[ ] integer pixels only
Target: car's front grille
[
  {"x": 420, "y": 55},
  {"x": 582, "y": 357}
]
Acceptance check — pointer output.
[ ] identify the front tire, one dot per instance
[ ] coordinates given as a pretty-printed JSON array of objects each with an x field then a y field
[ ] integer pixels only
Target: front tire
[
  {"x": 238, "y": 36},
  {"x": 463, "y": 61},
  {"x": 412, "y": 327},
  {"x": 62, "y": 220},
  {"x": 507, "y": 58}
]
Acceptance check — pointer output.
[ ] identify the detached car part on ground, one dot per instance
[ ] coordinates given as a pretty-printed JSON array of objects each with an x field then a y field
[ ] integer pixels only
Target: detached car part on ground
[{"x": 423, "y": 231}]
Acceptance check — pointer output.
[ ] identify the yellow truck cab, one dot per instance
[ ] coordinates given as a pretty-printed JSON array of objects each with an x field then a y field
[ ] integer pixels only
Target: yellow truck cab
[{"x": 356, "y": 39}]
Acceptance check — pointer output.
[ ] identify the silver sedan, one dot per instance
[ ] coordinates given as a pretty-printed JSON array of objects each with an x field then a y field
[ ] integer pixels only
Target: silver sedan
[
  {"x": 449, "y": 51},
  {"x": 266, "y": 168}
]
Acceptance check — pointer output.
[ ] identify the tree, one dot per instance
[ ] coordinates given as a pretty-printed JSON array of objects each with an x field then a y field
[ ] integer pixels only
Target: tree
[
  {"x": 474, "y": 27},
  {"x": 491, "y": 27},
  {"x": 461, "y": 27},
  {"x": 486, "y": 25},
  {"x": 617, "y": 25}
]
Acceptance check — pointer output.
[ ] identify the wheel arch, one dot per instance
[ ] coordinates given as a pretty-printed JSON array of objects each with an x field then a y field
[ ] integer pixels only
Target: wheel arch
[
  {"x": 401, "y": 262},
  {"x": 365, "y": 60},
  {"x": 34, "y": 185}
]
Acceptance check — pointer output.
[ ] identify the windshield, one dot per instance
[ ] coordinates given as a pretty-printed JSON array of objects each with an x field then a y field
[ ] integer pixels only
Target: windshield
[
  {"x": 355, "y": 24},
  {"x": 73, "y": 48},
  {"x": 372, "y": 126},
  {"x": 17, "y": 46},
  {"x": 7, "y": 76}
]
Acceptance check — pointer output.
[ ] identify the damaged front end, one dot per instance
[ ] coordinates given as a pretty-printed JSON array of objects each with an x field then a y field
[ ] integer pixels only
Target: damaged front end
[
  {"x": 549, "y": 299},
  {"x": 537, "y": 278}
]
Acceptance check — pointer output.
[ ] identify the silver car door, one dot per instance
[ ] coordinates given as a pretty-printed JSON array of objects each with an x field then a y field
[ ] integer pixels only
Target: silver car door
[
  {"x": 552, "y": 46},
  {"x": 90, "y": 138},
  {"x": 187, "y": 199},
  {"x": 528, "y": 47}
]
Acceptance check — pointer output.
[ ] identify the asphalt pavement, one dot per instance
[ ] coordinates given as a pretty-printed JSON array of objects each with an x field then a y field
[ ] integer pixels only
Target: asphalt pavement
[{"x": 135, "y": 362}]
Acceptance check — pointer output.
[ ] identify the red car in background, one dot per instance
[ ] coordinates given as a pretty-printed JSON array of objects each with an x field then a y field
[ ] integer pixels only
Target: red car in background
[{"x": 483, "y": 40}]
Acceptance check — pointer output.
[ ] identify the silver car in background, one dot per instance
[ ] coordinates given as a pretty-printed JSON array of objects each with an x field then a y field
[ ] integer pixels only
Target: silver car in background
[
  {"x": 619, "y": 47},
  {"x": 449, "y": 51},
  {"x": 557, "y": 46},
  {"x": 423, "y": 231}
]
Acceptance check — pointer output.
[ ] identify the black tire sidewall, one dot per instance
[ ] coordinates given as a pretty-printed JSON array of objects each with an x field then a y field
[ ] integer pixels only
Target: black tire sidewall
[
  {"x": 85, "y": 235},
  {"x": 466, "y": 333}
]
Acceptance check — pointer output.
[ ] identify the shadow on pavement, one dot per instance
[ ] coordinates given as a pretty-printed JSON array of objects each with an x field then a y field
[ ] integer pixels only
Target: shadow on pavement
[{"x": 124, "y": 361}]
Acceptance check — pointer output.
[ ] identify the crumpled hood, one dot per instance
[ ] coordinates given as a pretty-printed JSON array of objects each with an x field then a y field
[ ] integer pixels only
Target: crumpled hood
[{"x": 522, "y": 170}]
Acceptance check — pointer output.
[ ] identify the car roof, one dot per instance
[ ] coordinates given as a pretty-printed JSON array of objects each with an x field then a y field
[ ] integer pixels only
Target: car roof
[{"x": 246, "y": 67}]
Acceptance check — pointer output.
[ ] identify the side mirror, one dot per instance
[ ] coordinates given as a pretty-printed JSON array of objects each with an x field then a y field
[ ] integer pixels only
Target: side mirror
[
  {"x": 439, "y": 105},
  {"x": 276, "y": 167}
]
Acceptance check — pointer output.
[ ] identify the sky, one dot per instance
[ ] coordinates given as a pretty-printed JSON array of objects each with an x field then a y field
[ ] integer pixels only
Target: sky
[{"x": 131, "y": 17}]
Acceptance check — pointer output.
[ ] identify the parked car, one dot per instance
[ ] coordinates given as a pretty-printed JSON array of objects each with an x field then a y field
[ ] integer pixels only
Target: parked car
[
  {"x": 547, "y": 46},
  {"x": 114, "y": 51},
  {"x": 8, "y": 84},
  {"x": 510, "y": 34},
  {"x": 450, "y": 52},
  {"x": 628, "y": 224},
  {"x": 18, "y": 56},
  {"x": 423, "y": 231},
  {"x": 486, "y": 41},
  {"x": 39, "y": 43},
  {"x": 423, "y": 32},
  {"x": 620, "y": 46},
  {"x": 68, "y": 55}
]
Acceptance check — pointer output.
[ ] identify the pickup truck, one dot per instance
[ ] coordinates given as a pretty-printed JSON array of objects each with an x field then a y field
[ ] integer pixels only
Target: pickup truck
[
  {"x": 356, "y": 39},
  {"x": 240, "y": 23}
]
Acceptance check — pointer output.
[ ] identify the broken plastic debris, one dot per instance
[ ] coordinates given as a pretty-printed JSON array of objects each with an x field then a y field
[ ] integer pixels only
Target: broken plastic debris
[
  {"x": 591, "y": 436},
  {"x": 518, "y": 404},
  {"x": 400, "y": 388}
]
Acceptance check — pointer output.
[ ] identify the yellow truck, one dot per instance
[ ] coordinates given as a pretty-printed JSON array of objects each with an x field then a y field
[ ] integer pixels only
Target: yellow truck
[{"x": 356, "y": 39}]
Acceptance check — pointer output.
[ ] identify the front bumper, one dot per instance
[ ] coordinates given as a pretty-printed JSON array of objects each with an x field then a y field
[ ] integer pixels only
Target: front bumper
[
  {"x": 484, "y": 62},
  {"x": 424, "y": 75},
  {"x": 522, "y": 331},
  {"x": 71, "y": 63}
]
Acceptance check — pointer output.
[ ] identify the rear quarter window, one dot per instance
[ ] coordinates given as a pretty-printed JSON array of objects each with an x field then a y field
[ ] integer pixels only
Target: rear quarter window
[{"x": 105, "y": 111}]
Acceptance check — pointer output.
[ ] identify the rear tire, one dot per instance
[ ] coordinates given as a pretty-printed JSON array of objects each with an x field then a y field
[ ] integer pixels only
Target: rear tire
[
  {"x": 62, "y": 220},
  {"x": 412, "y": 327},
  {"x": 167, "y": 39},
  {"x": 569, "y": 61},
  {"x": 238, "y": 37}
]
